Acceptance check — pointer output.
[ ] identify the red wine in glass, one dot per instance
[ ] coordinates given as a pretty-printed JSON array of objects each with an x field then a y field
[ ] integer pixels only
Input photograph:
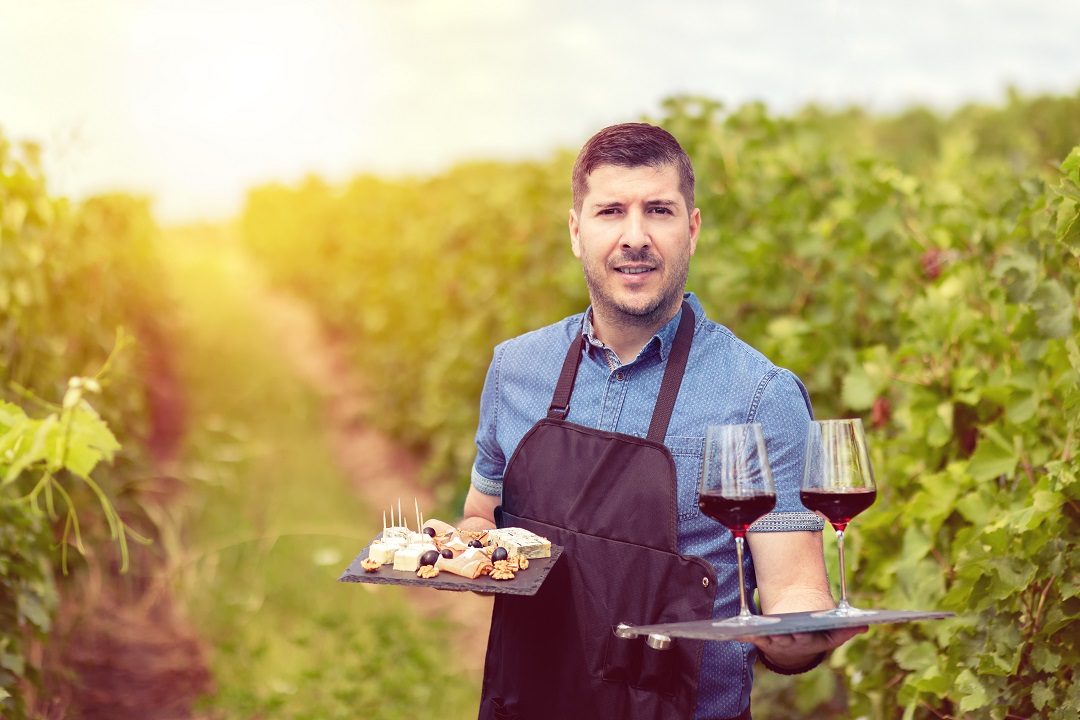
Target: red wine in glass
[
  {"x": 838, "y": 505},
  {"x": 838, "y": 482},
  {"x": 736, "y": 513},
  {"x": 737, "y": 489}
]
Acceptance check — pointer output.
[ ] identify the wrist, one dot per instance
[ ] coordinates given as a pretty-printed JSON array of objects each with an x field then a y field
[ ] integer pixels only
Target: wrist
[
  {"x": 476, "y": 523},
  {"x": 807, "y": 666}
]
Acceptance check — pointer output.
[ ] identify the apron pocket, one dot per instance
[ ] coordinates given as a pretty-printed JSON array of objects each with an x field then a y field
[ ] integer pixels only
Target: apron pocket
[
  {"x": 658, "y": 671},
  {"x": 622, "y": 661}
]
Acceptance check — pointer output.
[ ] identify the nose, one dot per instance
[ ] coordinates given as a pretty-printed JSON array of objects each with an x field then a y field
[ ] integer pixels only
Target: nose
[{"x": 636, "y": 233}]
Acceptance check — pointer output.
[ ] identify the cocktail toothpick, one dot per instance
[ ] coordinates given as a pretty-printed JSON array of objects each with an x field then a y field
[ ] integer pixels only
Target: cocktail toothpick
[{"x": 419, "y": 527}]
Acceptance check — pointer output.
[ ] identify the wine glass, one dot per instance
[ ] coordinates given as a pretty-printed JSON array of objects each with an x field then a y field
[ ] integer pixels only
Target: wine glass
[
  {"x": 736, "y": 489},
  {"x": 838, "y": 482}
]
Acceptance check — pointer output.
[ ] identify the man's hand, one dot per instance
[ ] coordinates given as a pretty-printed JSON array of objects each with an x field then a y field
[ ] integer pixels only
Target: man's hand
[
  {"x": 798, "y": 649},
  {"x": 479, "y": 514}
]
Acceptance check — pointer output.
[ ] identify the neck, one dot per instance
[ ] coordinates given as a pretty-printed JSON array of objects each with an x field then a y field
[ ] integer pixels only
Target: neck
[{"x": 625, "y": 334}]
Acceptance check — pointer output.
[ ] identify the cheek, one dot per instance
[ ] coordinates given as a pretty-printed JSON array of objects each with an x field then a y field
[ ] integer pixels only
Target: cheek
[{"x": 584, "y": 246}]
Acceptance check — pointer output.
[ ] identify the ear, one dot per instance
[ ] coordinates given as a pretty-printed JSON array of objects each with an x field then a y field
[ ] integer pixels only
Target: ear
[
  {"x": 575, "y": 238},
  {"x": 695, "y": 229}
]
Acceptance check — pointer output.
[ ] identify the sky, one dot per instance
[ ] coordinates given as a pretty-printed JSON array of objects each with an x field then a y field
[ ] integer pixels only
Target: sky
[{"x": 193, "y": 102}]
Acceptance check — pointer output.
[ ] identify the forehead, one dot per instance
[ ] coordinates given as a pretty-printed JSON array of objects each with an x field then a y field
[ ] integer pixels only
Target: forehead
[{"x": 615, "y": 183}]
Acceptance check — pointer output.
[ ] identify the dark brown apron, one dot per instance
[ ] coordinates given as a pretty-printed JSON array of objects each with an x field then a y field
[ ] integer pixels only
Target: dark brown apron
[{"x": 610, "y": 500}]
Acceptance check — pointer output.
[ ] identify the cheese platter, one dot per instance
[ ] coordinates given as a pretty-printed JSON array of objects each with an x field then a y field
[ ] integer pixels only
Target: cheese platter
[{"x": 511, "y": 561}]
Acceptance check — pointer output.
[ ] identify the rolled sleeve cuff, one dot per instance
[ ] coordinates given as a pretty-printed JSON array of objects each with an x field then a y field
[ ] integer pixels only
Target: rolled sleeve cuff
[
  {"x": 484, "y": 485},
  {"x": 785, "y": 522}
]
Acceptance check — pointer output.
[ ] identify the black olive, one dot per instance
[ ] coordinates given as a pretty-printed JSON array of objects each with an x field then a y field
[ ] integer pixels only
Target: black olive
[
  {"x": 499, "y": 554},
  {"x": 429, "y": 531},
  {"x": 429, "y": 558},
  {"x": 475, "y": 543},
  {"x": 447, "y": 553}
]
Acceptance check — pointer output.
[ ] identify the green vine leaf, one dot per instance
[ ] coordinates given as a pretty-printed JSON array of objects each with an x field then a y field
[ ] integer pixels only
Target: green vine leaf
[
  {"x": 1070, "y": 234},
  {"x": 1054, "y": 308},
  {"x": 992, "y": 459}
]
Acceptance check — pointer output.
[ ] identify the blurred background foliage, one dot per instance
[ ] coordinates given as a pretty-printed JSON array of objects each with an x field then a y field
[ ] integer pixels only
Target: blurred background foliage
[
  {"x": 918, "y": 270},
  {"x": 81, "y": 303}
]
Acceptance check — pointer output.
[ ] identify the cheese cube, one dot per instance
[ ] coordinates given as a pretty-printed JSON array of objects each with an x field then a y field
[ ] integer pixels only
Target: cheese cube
[
  {"x": 420, "y": 539},
  {"x": 408, "y": 559},
  {"x": 395, "y": 533}
]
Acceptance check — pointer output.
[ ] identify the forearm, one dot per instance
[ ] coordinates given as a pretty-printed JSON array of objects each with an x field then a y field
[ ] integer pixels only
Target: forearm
[
  {"x": 790, "y": 570},
  {"x": 479, "y": 510}
]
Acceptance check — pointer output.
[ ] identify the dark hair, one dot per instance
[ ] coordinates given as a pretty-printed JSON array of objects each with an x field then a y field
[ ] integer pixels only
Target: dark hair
[{"x": 632, "y": 145}]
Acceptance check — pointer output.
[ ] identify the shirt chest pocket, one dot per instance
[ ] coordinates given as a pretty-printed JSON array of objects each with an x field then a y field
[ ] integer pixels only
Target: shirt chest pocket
[{"x": 688, "y": 453}]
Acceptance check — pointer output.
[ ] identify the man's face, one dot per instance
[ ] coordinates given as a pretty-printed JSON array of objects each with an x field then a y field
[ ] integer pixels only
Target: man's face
[{"x": 634, "y": 236}]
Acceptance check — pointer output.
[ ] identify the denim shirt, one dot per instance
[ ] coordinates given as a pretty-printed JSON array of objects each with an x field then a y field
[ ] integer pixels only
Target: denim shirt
[{"x": 726, "y": 382}]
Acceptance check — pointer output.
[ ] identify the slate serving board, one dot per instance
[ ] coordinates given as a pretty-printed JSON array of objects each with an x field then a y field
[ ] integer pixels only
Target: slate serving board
[
  {"x": 526, "y": 582},
  {"x": 789, "y": 623}
]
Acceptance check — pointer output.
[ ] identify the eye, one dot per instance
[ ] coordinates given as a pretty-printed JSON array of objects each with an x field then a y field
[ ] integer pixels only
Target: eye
[
  {"x": 660, "y": 210},
  {"x": 609, "y": 211}
]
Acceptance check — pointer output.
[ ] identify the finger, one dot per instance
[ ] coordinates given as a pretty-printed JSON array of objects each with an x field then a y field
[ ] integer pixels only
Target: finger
[
  {"x": 804, "y": 641},
  {"x": 842, "y": 635}
]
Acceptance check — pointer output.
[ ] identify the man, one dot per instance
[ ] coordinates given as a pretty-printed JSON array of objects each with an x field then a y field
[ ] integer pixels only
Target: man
[{"x": 591, "y": 434}]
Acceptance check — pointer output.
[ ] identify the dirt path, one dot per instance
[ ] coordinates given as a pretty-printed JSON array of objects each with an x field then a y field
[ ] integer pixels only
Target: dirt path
[{"x": 380, "y": 472}]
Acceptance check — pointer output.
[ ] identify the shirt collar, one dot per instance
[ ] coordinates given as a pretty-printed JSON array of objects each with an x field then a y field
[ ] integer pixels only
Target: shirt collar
[{"x": 664, "y": 337}]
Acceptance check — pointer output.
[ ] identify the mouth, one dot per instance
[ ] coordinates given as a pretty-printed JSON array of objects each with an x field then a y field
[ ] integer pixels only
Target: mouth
[{"x": 634, "y": 270}]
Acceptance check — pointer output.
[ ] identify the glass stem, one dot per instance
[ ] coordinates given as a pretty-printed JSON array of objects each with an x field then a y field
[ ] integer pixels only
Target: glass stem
[
  {"x": 744, "y": 610},
  {"x": 843, "y": 574}
]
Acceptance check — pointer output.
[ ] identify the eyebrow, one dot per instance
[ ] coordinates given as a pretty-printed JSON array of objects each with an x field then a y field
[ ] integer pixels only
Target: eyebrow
[{"x": 648, "y": 203}]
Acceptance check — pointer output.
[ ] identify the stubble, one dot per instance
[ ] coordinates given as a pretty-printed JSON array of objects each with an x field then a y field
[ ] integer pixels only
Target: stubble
[{"x": 637, "y": 312}]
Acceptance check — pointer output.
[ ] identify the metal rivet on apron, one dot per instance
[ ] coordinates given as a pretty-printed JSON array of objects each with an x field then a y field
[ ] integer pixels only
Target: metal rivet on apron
[
  {"x": 704, "y": 582},
  {"x": 658, "y": 642}
]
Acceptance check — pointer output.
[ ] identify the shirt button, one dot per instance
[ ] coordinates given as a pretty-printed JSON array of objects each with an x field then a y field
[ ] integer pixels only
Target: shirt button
[{"x": 619, "y": 376}]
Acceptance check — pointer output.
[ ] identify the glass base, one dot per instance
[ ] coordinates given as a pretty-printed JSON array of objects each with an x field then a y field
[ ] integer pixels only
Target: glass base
[
  {"x": 746, "y": 621},
  {"x": 843, "y": 612}
]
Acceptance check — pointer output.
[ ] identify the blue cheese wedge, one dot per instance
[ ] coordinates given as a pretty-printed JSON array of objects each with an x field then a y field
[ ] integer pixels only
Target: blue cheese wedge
[
  {"x": 383, "y": 552},
  {"x": 519, "y": 541},
  {"x": 420, "y": 539}
]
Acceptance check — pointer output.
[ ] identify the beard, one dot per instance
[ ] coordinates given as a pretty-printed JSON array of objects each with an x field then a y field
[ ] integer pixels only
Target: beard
[{"x": 637, "y": 309}]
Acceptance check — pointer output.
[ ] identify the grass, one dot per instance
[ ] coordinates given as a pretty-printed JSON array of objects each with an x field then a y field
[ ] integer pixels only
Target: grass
[{"x": 271, "y": 523}]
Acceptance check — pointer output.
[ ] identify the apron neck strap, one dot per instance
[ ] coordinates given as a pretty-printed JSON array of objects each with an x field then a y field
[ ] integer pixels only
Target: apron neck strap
[
  {"x": 669, "y": 387},
  {"x": 673, "y": 374},
  {"x": 560, "y": 401}
]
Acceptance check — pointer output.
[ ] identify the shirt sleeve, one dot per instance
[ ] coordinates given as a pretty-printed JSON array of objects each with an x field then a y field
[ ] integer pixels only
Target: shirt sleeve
[
  {"x": 490, "y": 463},
  {"x": 785, "y": 413}
]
